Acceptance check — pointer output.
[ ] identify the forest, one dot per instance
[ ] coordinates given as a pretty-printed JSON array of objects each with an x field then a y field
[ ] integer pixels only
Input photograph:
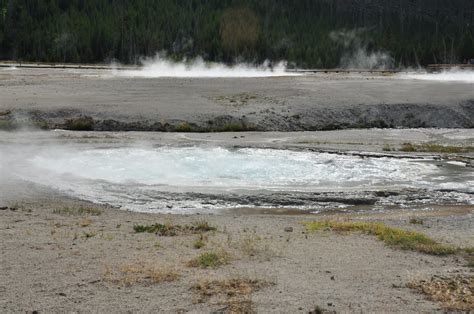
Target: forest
[{"x": 305, "y": 33}]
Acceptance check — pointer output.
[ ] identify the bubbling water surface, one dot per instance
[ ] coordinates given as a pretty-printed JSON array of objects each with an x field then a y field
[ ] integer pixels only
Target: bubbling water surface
[
  {"x": 186, "y": 179},
  {"x": 242, "y": 168}
]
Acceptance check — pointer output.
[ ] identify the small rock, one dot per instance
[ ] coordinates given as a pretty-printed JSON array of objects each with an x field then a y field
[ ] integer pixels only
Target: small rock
[
  {"x": 169, "y": 206},
  {"x": 329, "y": 304},
  {"x": 288, "y": 229},
  {"x": 3, "y": 207},
  {"x": 332, "y": 278}
]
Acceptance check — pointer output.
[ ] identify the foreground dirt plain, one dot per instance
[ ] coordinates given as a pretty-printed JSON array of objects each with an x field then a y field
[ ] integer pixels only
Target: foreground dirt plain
[{"x": 56, "y": 261}]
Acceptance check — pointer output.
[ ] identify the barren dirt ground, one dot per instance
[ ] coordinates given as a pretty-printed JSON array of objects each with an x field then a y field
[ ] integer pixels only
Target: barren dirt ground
[
  {"x": 51, "y": 97},
  {"x": 55, "y": 261}
]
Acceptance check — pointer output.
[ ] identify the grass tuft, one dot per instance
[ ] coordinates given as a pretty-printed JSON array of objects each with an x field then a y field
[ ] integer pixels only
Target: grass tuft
[
  {"x": 416, "y": 221},
  {"x": 210, "y": 260},
  {"x": 454, "y": 293},
  {"x": 85, "y": 222},
  {"x": 159, "y": 229},
  {"x": 234, "y": 293},
  {"x": 168, "y": 229},
  {"x": 202, "y": 226},
  {"x": 200, "y": 242},
  {"x": 394, "y": 237},
  {"x": 136, "y": 273},
  {"x": 80, "y": 124},
  {"x": 184, "y": 127},
  {"x": 78, "y": 211},
  {"x": 435, "y": 148}
]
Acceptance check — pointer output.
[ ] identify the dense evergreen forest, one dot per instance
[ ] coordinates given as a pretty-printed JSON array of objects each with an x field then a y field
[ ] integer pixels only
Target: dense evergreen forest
[{"x": 307, "y": 33}]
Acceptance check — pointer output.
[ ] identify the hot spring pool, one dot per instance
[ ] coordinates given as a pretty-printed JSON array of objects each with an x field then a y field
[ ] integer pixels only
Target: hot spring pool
[
  {"x": 223, "y": 168},
  {"x": 147, "y": 178}
]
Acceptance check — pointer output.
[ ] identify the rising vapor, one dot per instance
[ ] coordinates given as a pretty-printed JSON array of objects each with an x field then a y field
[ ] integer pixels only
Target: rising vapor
[
  {"x": 455, "y": 75},
  {"x": 161, "y": 66}
]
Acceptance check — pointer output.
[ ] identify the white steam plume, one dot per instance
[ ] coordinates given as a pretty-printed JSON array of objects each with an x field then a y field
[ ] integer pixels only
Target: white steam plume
[
  {"x": 454, "y": 75},
  {"x": 357, "y": 55},
  {"x": 362, "y": 59},
  {"x": 160, "y": 66}
]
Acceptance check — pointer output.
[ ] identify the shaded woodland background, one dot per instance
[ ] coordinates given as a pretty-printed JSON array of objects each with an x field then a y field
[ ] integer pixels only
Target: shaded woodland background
[{"x": 306, "y": 33}]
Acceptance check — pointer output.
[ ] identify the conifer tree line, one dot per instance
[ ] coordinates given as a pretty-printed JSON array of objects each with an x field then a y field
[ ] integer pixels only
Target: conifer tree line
[{"x": 306, "y": 33}]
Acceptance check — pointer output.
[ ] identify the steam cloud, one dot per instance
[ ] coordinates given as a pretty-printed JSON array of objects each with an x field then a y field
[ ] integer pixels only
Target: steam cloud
[
  {"x": 357, "y": 54},
  {"x": 455, "y": 75},
  {"x": 160, "y": 66}
]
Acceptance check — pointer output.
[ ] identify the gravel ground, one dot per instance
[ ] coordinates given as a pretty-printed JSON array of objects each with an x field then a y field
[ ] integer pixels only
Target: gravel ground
[
  {"x": 60, "y": 263},
  {"x": 51, "y": 97}
]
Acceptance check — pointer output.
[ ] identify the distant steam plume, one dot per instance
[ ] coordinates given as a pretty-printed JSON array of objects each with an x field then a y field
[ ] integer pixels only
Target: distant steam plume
[
  {"x": 454, "y": 75},
  {"x": 160, "y": 66},
  {"x": 357, "y": 54}
]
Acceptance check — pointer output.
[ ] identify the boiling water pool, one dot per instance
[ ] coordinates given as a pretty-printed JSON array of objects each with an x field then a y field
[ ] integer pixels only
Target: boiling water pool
[{"x": 143, "y": 178}]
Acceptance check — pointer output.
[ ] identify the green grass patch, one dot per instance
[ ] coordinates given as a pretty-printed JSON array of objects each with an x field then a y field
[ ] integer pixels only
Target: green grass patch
[
  {"x": 184, "y": 127},
  {"x": 168, "y": 229},
  {"x": 80, "y": 124},
  {"x": 159, "y": 229},
  {"x": 199, "y": 244},
  {"x": 416, "y": 221},
  {"x": 210, "y": 260},
  {"x": 7, "y": 125},
  {"x": 393, "y": 237},
  {"x": 78, "y": 211},
  {"x": 435, "y": 148},
  {"x": 201, "y": 226}
]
